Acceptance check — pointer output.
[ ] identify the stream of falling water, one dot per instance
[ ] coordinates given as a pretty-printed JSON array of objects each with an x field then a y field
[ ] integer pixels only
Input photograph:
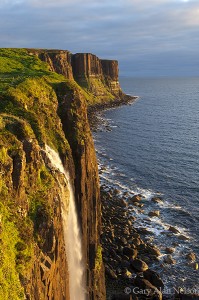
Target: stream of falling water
[{"x": 72, "y": 234}]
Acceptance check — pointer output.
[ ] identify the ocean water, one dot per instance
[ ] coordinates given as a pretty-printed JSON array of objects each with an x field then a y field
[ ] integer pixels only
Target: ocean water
[{"x": 152, "y": 147}]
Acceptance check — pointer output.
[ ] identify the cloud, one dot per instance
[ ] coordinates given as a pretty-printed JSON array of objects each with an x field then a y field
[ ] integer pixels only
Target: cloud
[{"x": 136, "y": 32}]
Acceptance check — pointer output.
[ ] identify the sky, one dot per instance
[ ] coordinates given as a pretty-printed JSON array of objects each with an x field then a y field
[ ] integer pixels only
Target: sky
[{"x": 147, "y": 37}]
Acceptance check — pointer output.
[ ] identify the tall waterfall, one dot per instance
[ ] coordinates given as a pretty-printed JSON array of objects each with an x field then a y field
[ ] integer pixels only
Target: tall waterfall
[{"x": 72, "y": 234}]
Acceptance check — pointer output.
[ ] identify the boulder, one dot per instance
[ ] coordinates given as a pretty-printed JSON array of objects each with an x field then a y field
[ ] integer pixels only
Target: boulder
[
  {"x": 183, "y": 237},
  {"x": 153, "y": 250},
  {"x": 136, "y": 242},
  {"x": 174, "y": 230},
  {"x": 139, "y": 265},
  {"x": 125, "y": 263},
  {"x": 169, "y": 260},
  {"x": 191, "y": 256},
  {"x": 154, "y": 278},
  {"x": 123, "y": 203},
  {"x": 169, "y": 250},
  {"x": 151, "y": 291},
  {"x": 144, "y": 230},
  {"x": 130, "y": 252},
  {"x": 135, "y": 198},
  {"x": 155, "y": 213},
  {"x": 156, "y": 200}
]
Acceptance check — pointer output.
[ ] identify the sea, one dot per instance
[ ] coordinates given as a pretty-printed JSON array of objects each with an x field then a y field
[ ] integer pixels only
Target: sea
[{"x": 151, "y": 147}]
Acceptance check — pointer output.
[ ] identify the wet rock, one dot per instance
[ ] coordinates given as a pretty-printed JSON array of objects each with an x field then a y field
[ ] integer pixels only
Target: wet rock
[
  {"x": 174, "y": 230},
  {"x": 136, "y": 235},
  {"x": 156, "y": 200},
  {"x": 129, "y": 222},
  {"x": 145, "y": 258},
  {"x": 136, "y": 242},
  {"x": 150, "y": 289},
  {"x": 130, "y": 252},
  {"x": 155, "y": 213},
  {"x": 139, "y": 265},
  {"x": 191, "y": 256},
  {"x": 144, "y": 230},
  {"x": 110, "y": 272},
  {"x": 135, "y": 198},
  {"x": 169, "y": 250},
  {"x": 126, "y": 193},
  {"x": 116, "y": 191},
  {"x": 124, "y": 241},
  {"x": 123, "y": 203},
  {"x": 169, "y": 260},
  {"x": 183, "y": 237},
  {"x": 125, "y": 264},
  {"x": 153, "y": 278},
  {"x": 136, "y": 204},
  {"x": 153, "y": 250}
]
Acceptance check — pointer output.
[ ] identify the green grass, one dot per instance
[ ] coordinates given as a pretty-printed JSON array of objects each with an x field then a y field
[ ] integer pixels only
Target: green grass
[
  {"x": 17, "y": 65},
  {"x": 98, "y": 260},
  {"x": 10, "y": 287}
]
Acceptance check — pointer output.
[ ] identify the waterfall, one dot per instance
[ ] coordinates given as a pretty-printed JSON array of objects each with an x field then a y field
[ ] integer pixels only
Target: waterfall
[{"x": 72, "y": 234}]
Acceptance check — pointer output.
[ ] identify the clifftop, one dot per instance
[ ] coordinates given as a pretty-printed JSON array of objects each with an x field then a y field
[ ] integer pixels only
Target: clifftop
[{"x": 98, "y": 78}]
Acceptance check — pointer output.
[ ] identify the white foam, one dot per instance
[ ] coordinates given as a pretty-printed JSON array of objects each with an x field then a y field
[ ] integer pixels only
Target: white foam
[{"x": 72, "y": 234}]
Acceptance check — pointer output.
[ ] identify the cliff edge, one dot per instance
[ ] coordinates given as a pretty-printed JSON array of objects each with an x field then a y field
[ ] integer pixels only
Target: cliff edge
[{"x": 44, "y": 96}]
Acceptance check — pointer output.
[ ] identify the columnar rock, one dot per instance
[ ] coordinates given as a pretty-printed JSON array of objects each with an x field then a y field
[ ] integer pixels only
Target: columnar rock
[
  {"x": 111, "y": 74},
  {"x": 86, "y": 65}
]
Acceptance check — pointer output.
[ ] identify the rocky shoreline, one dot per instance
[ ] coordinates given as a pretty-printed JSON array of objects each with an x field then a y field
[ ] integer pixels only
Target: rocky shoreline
[
  {"x": 128, "y": 252},
  {"x": 95, "y": 111},
  {"x": 125, "y": 253}
]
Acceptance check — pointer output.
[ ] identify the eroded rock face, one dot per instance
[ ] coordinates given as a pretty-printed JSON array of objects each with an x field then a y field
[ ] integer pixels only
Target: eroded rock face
[
  {"x": 86, "y": 65},
  {"x": 100, "y": 77},
  {"x": 33, "y": 185},
  {"x": 58, "y": 60},
  {"x": 111, "y": 74},
  {"x": 46, "y": 275},
  {"x": 86, "y": 184}
]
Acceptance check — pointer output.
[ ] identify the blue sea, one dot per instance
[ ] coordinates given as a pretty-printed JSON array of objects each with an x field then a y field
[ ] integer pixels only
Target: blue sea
[{"x": 152, "y": 147}]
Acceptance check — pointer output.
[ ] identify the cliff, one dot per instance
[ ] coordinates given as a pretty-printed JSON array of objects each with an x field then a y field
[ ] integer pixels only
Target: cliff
[
  {"x": 41, "y": 103},
  {"x": 98, "y": 78}
]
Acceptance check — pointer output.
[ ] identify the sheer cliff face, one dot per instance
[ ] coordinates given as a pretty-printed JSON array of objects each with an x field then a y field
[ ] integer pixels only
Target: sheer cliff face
[
  {"x": 59, "y": 61},
  {"x": 86, "y": 65},
  {"x": 111, "y": 74},
  {"x": 96, "y": 76},
  {"x": 90, "y": 71},
  {"x": 72, "y": 110},
  {"x": 45, "y": 108}
]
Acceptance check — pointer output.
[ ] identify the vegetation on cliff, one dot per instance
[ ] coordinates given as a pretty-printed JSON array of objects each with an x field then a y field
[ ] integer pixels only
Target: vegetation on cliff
[{"x": 37, "y": 107}]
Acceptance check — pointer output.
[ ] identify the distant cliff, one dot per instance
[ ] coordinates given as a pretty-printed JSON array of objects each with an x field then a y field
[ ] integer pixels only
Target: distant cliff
[
  {"x": 99, "y": 78},
  {"x": 44, "y": 96}
]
